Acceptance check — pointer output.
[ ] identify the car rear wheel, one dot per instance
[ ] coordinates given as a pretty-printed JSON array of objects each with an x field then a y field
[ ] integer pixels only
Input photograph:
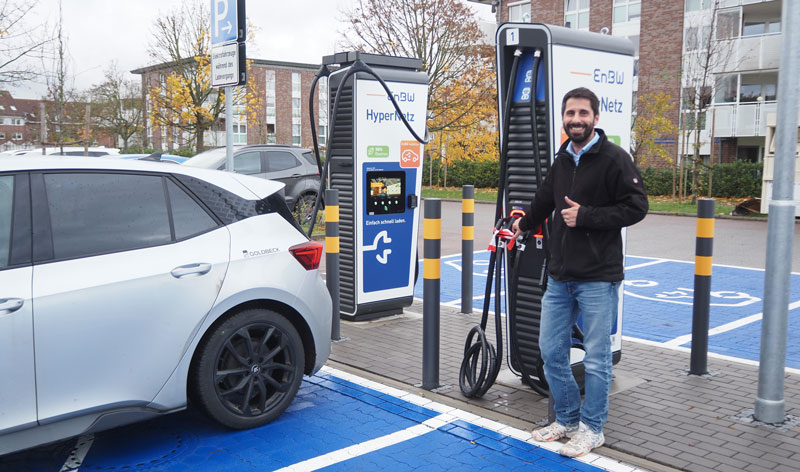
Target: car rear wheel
[{"x": 249, "y": 369}]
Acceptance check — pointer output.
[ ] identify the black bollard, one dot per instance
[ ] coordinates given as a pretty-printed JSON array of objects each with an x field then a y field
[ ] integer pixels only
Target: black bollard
[
  {"x": 432, "y": 251},
  {"x": 702, "y": 286}
]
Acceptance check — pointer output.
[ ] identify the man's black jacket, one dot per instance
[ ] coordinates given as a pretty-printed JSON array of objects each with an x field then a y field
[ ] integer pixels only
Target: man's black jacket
[{"x": 611, "y": 195}]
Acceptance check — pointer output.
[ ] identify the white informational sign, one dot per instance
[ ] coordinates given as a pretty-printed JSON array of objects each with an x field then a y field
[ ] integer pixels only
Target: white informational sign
[
  {"x": 385, "y": 146},
  {"x": 224, "y": 21},
  {"x": 608, "y": 75},
  {"x": 225, "y": 65}
]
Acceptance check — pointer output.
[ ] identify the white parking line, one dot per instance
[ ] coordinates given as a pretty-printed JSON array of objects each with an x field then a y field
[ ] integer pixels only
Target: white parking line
[
  {"x": 372, "y": 445},
  {"x": 680, "y": 340},
  {"x": 645, "y": 264}
]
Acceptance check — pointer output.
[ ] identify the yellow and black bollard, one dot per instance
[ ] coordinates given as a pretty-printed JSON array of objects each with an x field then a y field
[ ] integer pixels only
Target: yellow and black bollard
[
  {"x": 332, "y": 256},
  {"x": 702, "y": 286},
  {"x": 467, "y": 245},
  {"x": 432, "y": 251}
]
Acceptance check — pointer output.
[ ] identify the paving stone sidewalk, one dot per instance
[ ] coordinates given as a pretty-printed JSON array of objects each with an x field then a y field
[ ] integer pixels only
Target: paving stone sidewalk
[{"x": 660, "y": 418}]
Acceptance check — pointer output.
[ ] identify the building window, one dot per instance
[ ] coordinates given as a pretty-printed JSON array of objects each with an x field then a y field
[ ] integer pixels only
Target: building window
[
  {"x": 239, "y": 121},
  {"x": 16, "y": 136},
  {"x": 270, "y": 106},
  {"x": 726, "y": 88},
  {"x": 2, "y": 136},
  {"x": 519, "y": 12},
  {"x": 18, "y": 121},
  {"x": 728, "y": 24},
  {"x": 322, "y": 132},
  {"x": 576, "y": 14},
  {"x": 296, "y": 112},
  {"x": 627, "y": 10},
  {"x": 697, "y": 5}
]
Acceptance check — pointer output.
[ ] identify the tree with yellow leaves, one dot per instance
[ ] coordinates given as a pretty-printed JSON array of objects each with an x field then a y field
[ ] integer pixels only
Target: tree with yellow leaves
[
  {"x": 184, "y": 99},
  {"x": 445, "y": 36}
]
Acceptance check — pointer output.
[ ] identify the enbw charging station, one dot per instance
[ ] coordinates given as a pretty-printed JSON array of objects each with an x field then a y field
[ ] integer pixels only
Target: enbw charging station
[
  {"x": 375, "y": 158},
  {"x": 537, "y": 65}
]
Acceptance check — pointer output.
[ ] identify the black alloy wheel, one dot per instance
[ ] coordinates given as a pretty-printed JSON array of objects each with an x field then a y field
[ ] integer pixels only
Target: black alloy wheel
[{"x": 249, "y": 369}]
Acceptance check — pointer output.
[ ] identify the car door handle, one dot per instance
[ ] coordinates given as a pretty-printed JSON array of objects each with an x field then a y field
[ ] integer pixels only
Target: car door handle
[
  {"x": 201, "y": 268},
  {"x": 10, "y": 305}
]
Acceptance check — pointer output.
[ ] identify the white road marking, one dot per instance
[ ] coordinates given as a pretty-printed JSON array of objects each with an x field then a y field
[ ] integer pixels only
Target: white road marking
[
  {"x": 645, "y": 264},
  {"x": 448, "y": 415},
  {"x": 366, "y": 447},
  {"x": 714, "y": 355},
  {"x": 78, "y": 454},
  {"x": 680, "y": 340}
]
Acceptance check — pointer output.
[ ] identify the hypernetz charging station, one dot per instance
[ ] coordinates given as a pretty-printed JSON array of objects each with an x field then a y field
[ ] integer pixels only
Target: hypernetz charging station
[
  {"x": 376, "y": 165},
  {"x": 536, "y": 66}
]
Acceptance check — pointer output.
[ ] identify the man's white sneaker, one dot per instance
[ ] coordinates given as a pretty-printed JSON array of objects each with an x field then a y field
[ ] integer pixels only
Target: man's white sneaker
[
  {"x": 582, "y": 442},
  {"x": 553, "y": 432}
]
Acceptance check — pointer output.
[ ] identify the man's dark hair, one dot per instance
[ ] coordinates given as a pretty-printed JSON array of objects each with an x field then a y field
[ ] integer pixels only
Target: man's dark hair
[{"x": 581, "y": 92}]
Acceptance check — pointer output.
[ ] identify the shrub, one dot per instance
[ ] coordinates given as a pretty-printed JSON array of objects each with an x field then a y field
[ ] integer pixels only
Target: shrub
[{"x": 735, "y": 179}]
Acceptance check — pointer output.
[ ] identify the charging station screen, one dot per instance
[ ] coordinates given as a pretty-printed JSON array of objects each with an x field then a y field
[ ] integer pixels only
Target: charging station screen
[{"x": 385, "y": 193}]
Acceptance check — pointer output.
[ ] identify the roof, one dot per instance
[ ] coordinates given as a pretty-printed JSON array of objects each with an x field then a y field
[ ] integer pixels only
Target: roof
[{"x": 10, "y": 106}]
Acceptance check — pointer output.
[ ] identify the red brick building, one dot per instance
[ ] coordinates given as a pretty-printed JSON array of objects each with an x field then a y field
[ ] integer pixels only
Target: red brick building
[
  {"x": 282, "y": 88},
  {"x": 741, "y": 84},
  {"x": 20, "y": 123}
]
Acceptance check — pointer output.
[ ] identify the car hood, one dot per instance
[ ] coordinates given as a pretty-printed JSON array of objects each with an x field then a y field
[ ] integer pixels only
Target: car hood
[{"x": 261, "y": 187}]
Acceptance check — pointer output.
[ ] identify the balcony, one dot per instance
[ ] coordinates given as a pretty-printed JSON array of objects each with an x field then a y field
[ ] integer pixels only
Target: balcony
[
  {"x": 750, "y": 53},
  {"x": 740, "y": 119}
]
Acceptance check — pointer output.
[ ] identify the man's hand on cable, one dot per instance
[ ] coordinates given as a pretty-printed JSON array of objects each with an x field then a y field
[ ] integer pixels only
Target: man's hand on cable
[
  {"x": 515, "y": 228},
  {"x": 570, "y": 214}
]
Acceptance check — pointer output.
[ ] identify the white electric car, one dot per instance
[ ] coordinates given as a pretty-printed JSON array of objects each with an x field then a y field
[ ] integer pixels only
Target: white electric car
[{"x": 127, "y": 287}]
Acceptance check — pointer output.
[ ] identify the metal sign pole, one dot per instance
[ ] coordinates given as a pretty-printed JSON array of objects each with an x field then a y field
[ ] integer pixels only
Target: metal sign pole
[
  {"x": 769, "y": 404},
  {"x": 229, "y": 129}
]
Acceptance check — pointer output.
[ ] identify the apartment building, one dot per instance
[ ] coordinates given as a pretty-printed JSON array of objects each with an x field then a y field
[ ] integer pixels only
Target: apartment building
[
  {"x": 281, "y": 90},
  {"x": 672, "y": 38}
]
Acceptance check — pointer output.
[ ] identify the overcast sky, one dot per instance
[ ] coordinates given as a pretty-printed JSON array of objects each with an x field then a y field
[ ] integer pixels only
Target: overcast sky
[{"x": 102, "y": 31}]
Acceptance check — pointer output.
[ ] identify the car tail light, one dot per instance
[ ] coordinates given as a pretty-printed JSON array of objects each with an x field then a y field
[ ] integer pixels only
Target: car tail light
[{"x": 307, "y": 254}]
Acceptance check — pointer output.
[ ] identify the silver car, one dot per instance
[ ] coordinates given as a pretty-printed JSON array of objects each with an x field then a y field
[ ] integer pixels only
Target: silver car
[{"x": 127, "y": 287}]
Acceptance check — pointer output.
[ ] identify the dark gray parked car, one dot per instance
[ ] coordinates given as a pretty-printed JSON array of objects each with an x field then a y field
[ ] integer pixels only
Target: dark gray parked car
[{"x": 296, "y": 167}]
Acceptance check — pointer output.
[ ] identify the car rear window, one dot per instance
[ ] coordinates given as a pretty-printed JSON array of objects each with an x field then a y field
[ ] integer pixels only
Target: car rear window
[
  {"x": 309, "y": 157},
  {"x": 95, "y": 213},
  {"x": 281, "y": 160}
]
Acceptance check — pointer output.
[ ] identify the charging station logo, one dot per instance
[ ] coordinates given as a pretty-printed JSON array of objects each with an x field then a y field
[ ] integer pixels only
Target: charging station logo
[
  {"x": 409, "y": 154},
  {"x": 384, "y": 257}
]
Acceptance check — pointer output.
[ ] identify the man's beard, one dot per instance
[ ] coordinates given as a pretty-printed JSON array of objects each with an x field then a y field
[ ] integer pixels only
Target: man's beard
[{"x": 577, "y": 136}]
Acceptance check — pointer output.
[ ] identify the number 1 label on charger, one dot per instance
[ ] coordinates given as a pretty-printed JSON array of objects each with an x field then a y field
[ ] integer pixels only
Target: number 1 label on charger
[{"x": 512, "y": 37}]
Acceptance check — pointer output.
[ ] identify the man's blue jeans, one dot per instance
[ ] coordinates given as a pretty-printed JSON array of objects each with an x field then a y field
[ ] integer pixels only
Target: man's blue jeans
[{"x": 597, "y": 303}]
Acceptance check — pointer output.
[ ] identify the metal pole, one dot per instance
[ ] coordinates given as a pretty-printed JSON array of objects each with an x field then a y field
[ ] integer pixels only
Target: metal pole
[
  {"x": 702, "y": 286},
  {"x": 769, "y": 404},
  {"x": 332, "y": 256},
  {"x": 43, "y": 132},
  {"x": 467, "y": 245},
  {"x": 86, "y": 131},
  {"x": 229, "y": 128},
  {"x": 432, "y": 251}
]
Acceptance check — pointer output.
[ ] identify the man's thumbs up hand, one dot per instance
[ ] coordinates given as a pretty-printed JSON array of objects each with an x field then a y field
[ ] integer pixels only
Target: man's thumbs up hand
[{"x": 570, "y": 214}]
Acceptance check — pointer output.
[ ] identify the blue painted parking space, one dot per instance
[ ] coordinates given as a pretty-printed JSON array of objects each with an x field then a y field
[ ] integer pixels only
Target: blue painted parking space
[
  {"x": 333, "y": 424},
  {"x": 658, "y": 303}
]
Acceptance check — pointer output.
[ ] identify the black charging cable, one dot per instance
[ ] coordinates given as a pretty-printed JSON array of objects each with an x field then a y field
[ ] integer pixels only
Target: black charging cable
[
  {"x": 357, "y": 66},
  {"x": 471, "y": 381}
]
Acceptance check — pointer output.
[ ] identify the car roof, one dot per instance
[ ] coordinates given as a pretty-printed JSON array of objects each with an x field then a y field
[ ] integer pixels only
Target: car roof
[{"x": 242, "y": 185}]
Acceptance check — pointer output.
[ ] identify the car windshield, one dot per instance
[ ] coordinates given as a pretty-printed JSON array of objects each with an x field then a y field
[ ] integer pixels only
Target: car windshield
[{"x": 208, "y": 159}]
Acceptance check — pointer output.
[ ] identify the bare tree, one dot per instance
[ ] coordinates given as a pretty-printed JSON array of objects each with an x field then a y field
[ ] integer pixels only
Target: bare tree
[
  {"x": 66, "y": 122},
  {"x": 185, "y": 100},
  {"x": 706, "y": 53},
  {"x": 19, "y": 42},
  {"x": 445, "y": 35},
  {"x": 119, "y": 105}
]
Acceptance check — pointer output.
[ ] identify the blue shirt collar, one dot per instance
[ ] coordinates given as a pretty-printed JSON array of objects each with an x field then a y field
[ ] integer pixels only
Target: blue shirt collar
[{"x": 577, "y": 156}]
